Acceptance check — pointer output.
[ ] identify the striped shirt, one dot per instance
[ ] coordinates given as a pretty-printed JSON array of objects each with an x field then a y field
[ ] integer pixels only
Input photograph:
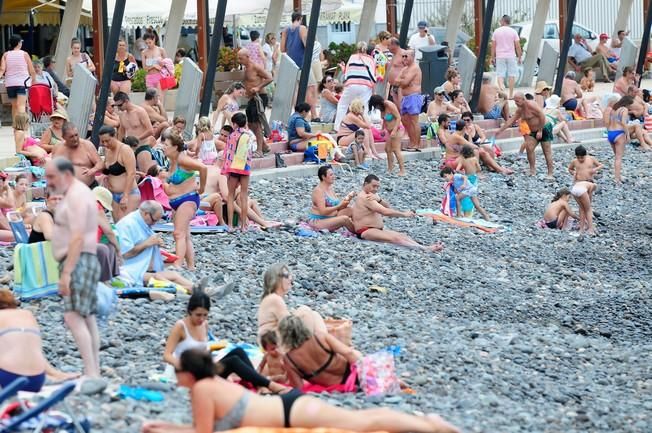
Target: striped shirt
[
  {"x": 360, "y": 71},
  {"x": 16, "y": 72}
]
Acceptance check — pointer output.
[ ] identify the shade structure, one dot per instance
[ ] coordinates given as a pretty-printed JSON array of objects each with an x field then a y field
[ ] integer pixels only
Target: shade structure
[{"x": 17, "y": 12}]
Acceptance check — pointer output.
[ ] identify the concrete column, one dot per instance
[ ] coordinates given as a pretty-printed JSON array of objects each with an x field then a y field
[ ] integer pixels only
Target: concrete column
[
  {"x": 173, "y": 27},
  {"x": 67, "y": 30},
  {"x": 534, "y": 43},
  {"x": 622, "y": 19},
  {"x": 274, "y": 15},
  {"x": 453, "y": 22},
  {"x": 367, "y": 23}
]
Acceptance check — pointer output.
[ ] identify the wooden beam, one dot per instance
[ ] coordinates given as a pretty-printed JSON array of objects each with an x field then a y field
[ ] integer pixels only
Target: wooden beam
[
  {"x": 563, "y": 11},
  {"x": 645, "y": 40},
  {"x": 202, "y": 45},
  {"x": 390, "y": 11},
  {"x": 98, "y": 37},
  {"x": 566, "y": 41},
  {"x": 478, "y": 15},
  {"x": 296, "y": 5}
]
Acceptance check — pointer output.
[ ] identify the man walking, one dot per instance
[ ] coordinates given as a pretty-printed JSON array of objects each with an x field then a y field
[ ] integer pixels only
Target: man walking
[
  {"x": 74, "y": 245},
  {"x": 506, "y": 54}
]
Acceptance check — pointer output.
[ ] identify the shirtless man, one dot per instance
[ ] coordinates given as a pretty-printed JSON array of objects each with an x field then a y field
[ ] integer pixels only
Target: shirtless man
[
  {"x": 74, "y": 245},
  {"x": 156, "y": 111},
  {"x": 540, "y": 131},
  {"x": 440, "y": 105},
  {"x": 395, "y": 67},
  {"x": 255, "y": 81},
  {"x": 133, "y": 120},
  {"x": 490, "y": 104},
  {"x": 368, "y": 212},
  {"x": 571, "y": 92},
  {"x": 81, "y": 153},
  {"x": 409, "y": 80}
]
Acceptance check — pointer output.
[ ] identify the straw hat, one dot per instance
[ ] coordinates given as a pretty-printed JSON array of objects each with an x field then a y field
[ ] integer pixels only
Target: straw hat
[
  {"x": 553, "y": 102},
  {"x": 59, "y": 114},
  {"x": 541, "y": 86},
  {"x": 103, "y": 196}
]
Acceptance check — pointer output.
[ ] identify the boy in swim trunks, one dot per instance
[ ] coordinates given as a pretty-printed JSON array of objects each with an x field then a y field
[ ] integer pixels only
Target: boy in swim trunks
[
  {"x": 558, "y": 211},
  {"x": 584, "y": 167},
  {"x": 463, "y": 188}
]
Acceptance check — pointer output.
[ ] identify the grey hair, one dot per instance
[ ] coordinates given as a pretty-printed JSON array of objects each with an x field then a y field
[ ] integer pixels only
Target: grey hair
[
  {"x": 361, "y": 47},
  {"x": 68, "y": 126},
  {"x": 167, "y": 132},
  {"x": 272, "y": 278},
  {"x": 151, "y": 207},
  {"x": 63, "y": 165},
  {"x": 570, "y": 74},
  {"x": 36, "y": 63},
  {"x": 293, "y": 332}
]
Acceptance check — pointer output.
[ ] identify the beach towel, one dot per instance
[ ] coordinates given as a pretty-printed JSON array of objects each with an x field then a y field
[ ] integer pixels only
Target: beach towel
[
  {"x": 151, "y": 188},
  {"x": 349, "y": 385},
  {"x": 195, "y": 230},
  {"x": 476, "y": 223},
  {"x": 288, "y": 430},
  {"x": 36, "y": 272},
  {"x": 133, "y": 230}
]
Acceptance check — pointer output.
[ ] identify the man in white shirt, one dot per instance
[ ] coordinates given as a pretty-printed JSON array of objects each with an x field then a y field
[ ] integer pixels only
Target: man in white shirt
[
  {"x": 506, "y": 54},
  {"x": 580, "y": 58},
  {"x": 421, "y": 39}
]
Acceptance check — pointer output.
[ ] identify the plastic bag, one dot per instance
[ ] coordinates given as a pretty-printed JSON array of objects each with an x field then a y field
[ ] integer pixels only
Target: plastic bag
[
  {"x": 107, "y": 301},
  {"x": 377, "y": 375}
]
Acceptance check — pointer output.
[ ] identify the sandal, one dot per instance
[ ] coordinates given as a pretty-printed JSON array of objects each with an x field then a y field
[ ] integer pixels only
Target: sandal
[{"x": 258, "y": 154}]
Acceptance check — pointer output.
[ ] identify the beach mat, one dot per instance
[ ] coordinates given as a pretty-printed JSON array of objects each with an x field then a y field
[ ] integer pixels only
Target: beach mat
[
  {"x": 142, "y": 292},
  {"x": 476, "y": 223},
  {"x": 169, "y": 228}
]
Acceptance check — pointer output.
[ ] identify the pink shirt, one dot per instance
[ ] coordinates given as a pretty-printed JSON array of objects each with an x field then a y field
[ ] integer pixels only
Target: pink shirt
[
  {"x": 504, "y": 38},
  {"x": 17, "y": 71}
]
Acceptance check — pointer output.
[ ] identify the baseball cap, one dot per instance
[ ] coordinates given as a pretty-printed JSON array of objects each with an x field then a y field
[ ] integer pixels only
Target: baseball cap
[
  {"x": 422, "y": 24},
  {"x": 604, "y": 36},
  {"x": 3, "y": 175},
  {"x": 439, "y": 89},
  {"x": 103, "y": 197}
]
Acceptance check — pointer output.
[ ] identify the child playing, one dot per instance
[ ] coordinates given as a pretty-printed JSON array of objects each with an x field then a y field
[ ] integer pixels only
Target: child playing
[
  {"x": 583, "y": 167},
  {"x": 339, "y": 89},
  {"x": 272, "y": 364},
  {"x": 559, "y": 210},
  {"x": 587, "y": 82},
  {"x": 463, "y": 188},
  {"x": 582, "y": 192},
  {"x": 469, "y": 163},
  {"x": 356, "y": 151}
]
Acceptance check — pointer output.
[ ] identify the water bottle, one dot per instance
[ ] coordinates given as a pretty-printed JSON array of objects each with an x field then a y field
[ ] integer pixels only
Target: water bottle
[{"x": 452, "y": 126}]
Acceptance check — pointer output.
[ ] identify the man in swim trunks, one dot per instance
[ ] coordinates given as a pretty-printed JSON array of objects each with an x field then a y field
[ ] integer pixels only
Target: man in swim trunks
[
  {"x": 81, "y": 153},
  {"x": 368, "y": 212},
  {"x": 255, "y": 81},
  {"x": 540, "y": 131},
  {"x": 74, "y": 245},
  {"x": 133, "y": 120},
  {"x": 409, "y": 81},
  {"x": 395, "y": 67}
]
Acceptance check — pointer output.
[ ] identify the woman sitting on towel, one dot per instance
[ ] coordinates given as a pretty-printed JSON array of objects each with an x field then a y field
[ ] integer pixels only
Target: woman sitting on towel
[
  {"x": 276, "y": 284},
  {"x": 328, "y": 212},
  {"x": 192, "y": 332},
  {"x": 22, "y": 353},
  {"x": 219, "y": 405}
]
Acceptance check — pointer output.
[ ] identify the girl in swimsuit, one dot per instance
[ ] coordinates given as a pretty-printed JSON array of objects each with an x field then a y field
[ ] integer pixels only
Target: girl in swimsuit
[
  {"x": 182, "y": 190},
  {"x": 227, "y": 106},
  {"x": 120, "y": 170},
  {"x": 616, "y": 120},
  {"x": 25, "y": 144},
  {"x": 329, "y": 212},
  {"x": 219, "y": 405},
  {"x": 153, "y": 57},
  {"x": 558, "y": 211},
  {"x": 77, "y": 57},
  {"x": 391, "y": 124},
  {"x": 53, "y": 135}
]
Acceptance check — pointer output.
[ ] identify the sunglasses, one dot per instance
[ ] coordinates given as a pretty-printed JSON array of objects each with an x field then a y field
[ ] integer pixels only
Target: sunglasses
[
  {"x": 467, "y": 119},
  {"x": 285, "y": 275},
  {"x": 405, "y": 56},
  {"x": 118, "y": 105},
  {"x": 329, "y": 80}
]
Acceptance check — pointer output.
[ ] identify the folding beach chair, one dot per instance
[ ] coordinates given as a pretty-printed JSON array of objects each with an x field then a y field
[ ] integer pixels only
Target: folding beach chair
[
  {"x": 37, "y": 414},
  {"x": 17, "y": 227},
  {"x": 11, "y": 389}
]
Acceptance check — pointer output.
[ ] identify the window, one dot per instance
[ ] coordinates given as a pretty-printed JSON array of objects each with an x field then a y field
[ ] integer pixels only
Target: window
[
  {"x": 341, "y": 27},
  {"x": 550, "y": 31}
]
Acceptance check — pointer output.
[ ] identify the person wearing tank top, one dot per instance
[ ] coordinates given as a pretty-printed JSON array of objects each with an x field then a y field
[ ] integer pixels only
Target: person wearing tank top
[
  {"x": 293, "y": 39},
  {"x": 16, "y": 67}
]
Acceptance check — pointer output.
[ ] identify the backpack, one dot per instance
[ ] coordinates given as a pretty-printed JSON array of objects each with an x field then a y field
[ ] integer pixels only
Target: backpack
[{"x": 310, "y": 156}]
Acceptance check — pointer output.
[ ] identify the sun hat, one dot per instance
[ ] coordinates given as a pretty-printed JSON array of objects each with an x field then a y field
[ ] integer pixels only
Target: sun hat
[
  {"x": 103, "y": 196},
  {"x": 59, "y": 114},
  {"x": 553, "y": 101},
  {"x": 541, "y": 86}
]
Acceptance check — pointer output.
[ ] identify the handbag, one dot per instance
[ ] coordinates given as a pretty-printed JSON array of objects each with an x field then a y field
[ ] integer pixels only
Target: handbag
[
  {"x": 280, "y": 163},
  {"x": 376, "y": 374},
  {"x": 342, "y": 329},
  {"x": 168, "y": 82}
]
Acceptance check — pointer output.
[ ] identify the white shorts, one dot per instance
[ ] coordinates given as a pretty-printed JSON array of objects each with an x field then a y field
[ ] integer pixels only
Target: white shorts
[
  {"x": 316, "y": 74},
  {"x": 506, "y": 68}
]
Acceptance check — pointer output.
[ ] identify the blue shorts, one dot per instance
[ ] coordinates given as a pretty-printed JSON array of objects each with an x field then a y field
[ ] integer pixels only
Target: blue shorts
[
  {"x": 14, "y": 91},
  {"x": 34, "y": 383},
  {"x": 412, "y": 104},
  {"x": 193, "y": 197},
  {"x": 117, "y": 196},
  {"x": 493, "y": 114}
]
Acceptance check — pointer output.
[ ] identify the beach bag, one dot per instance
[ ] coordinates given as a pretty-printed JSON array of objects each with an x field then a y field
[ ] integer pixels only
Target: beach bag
[
  {"x": 167, "y": 83},
  {"x": 107, "y": 301},
  {"x": 376, "y": 374},
  {"x": 342, "y": 329},
  {"x": 168, "y": 80},
  {"x": 310, "y": 156},
  {"x": 36, "y": 272}
]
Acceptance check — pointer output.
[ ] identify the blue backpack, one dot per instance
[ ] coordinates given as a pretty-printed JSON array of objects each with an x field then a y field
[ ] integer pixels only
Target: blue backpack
[{"x": 310, "y": 156}]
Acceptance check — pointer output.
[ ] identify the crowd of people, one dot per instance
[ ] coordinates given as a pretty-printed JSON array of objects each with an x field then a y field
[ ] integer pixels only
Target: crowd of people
[{"x": 101, "y": 227}]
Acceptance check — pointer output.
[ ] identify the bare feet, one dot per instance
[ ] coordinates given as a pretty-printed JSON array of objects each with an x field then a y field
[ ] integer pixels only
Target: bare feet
[
  {"x": 401, "y": 173},
  {"x": 435, "y": 247},
  {"x": 441, "y": 426},
  {"x": 57, "y": 376}
]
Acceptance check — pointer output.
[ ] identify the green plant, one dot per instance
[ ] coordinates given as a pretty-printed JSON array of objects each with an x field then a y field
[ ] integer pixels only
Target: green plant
[
  {"x": 339, "y": 52},
  {"x": 228, "y": 60},
  {"x": 138, "y": 82}
]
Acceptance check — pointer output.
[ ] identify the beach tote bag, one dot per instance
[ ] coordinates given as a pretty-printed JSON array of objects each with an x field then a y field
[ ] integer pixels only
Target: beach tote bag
[
  {"x": 36, "y": 272},
  {"x": 342, "y": 329},
  {"x": 377, "y": 375}
]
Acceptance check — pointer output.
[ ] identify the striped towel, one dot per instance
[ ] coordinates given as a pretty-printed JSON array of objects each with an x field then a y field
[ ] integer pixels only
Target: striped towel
[{"x": 36, "y": 272}]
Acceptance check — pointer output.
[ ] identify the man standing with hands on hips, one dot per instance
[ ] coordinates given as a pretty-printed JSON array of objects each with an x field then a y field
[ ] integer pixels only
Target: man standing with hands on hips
[
  {"x": 506, "y": 54},
  {"x": 420, "y": 39}
]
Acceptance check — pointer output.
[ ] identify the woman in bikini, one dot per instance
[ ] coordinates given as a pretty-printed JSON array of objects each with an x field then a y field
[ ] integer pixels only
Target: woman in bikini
[
  {"x": 474, "y": 134},
  {"x": 392, "y": 125},
  {"x": 192, "y": 332},
  {"x": 328, "y": 212},
  {"x": 616, "y": 117},
  {"x": 352, "y": 121},
  {"x": 452, "y": 143},
  {"x": 277, "y": 282},
  {"x": 153, "y": 57},
  {"x": 120, "y": 163},
  {"x": 181, "y": 188},
  {"x": 77, "y": 57},
  {"x": 53, "y": 135},
  {"x": 219, "y": 405},
  {"x": 120, "y": 76},
  {"x": 558, "y": 211},
  {"x": 27, "y": 145},
  {"x": 227, "y": 106}
]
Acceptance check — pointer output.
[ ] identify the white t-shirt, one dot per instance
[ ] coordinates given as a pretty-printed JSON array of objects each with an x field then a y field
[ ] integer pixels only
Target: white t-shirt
[
  {"x": 416, "y": 42},
  {"x": 504, "y": 38},
  {"x": 269, "y": 54},
  {"x": 578, "y": 52}
]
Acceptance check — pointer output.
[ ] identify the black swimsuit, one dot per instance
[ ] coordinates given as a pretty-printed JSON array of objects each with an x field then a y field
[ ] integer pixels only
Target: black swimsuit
[
  {"x": 320, "y": 370},
  {"x": 36, "y": 236},
  {"x": 115, "y": 169}
]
